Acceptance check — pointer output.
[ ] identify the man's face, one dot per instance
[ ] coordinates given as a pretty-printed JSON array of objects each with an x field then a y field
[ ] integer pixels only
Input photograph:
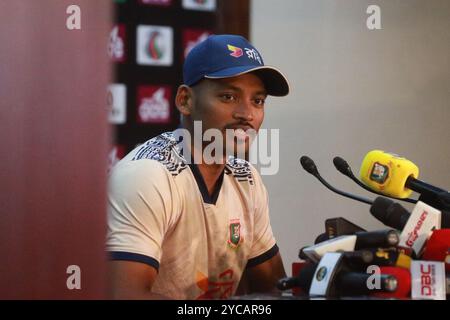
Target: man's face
[{"x": 235, "y": 103}]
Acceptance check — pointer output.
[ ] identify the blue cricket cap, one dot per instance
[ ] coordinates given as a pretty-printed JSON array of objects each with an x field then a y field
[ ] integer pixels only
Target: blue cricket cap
[{"x": 224, "y": 56}]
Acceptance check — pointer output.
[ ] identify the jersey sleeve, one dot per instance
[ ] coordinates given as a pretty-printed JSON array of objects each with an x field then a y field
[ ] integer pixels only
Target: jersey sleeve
[
  {"x": 142, "y": 207},
  {"x": 264, "y": 244}
]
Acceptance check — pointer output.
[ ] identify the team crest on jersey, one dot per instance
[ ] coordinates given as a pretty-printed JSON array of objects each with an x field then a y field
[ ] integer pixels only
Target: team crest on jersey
[{"x": 235, "y": 237}]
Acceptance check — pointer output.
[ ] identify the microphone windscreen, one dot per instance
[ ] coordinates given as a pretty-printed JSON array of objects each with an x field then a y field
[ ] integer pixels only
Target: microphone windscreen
[
  {"x": 342, "y": 166},
  {"x": 437, "y": 246},
  {"x": 390, "y": 213},
  {"x": 309, "y": 165},
  {"x": 403, "y": 283},
  {"x": 387, "y": 173}
]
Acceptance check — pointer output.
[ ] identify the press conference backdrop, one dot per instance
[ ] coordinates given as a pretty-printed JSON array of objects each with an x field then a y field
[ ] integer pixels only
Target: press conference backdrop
[
  {"x": 54, "y": 139},
  {"x": 353, "y": 90},
  {"x": 148, "y": 43}
]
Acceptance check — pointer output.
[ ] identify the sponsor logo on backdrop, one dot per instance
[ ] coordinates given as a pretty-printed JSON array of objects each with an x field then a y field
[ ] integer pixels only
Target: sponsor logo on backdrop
[
  {"x": 116, "y": 100},
  {"x": 204, "y": 5},
  {"x": 154, "y": 104},
  {"x": 116, "y": 45},
  {"x": 154, "y": 45},
  {"x": 192, "y": 37}
]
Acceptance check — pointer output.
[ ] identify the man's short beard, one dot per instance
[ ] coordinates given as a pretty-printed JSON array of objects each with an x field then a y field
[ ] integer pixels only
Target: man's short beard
[{"x": 237, "y": 149}]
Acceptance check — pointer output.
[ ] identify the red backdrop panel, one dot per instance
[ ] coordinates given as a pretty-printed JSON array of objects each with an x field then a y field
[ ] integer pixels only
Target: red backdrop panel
[{"x": 54, "y": 139}]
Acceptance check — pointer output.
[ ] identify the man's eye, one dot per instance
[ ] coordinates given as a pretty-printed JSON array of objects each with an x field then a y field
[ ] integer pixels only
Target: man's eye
[
  {"x": 260, "y": 102},
  {"x": 228, "y": 97}
]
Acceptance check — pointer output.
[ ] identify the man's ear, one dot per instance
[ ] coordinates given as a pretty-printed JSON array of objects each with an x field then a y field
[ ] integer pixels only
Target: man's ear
[{"x": 184, "y": 99}]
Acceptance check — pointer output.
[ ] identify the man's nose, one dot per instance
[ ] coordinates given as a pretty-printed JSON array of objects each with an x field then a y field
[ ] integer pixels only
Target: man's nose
[{"x": 244, "y": 111}]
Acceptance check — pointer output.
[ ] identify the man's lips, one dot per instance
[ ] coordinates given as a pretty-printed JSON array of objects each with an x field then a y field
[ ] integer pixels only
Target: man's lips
[
  {"x": 241, "y": 131},
  {"x": 244, "y": 127}
]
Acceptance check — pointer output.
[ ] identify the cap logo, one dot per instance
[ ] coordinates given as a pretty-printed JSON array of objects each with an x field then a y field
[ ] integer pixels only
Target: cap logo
[
  {"x": 253, "y": 54},
  {"x": 235, "y": 51}
]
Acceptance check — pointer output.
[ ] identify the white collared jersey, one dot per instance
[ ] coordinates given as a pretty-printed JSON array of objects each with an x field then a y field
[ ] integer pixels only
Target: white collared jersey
[{"x": 160, "y": 213}]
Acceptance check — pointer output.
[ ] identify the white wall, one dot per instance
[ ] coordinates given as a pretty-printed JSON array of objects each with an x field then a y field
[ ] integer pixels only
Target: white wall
[{"x": 353, "y": 90}]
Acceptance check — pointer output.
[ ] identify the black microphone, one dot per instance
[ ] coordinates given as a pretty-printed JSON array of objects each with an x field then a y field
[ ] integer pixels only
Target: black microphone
[
  {"x": 341, "y": 282},
  {"x": 376, "y": 239},
  {"x": 309, "y": 166},
  {"x": 362, "y": 240},
  {"x": 343, "y": 167},
  {"x": 390, "y": 213},
  {"x": 394, "y": 215},
  {"x": 367, "y": 239},
  {"x": 355, "y": 283},
  {"x": 358, "y": 260},
  {"x": 434, "y": 196},
  {"x": 438, "y": 200},
  {"x": 423, "y": 187}
]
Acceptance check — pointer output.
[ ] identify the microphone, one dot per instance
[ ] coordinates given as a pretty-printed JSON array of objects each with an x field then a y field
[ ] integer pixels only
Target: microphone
[
  {"x": 332, "y": 279},
  {"x": 423, "y": 220},
  {"x": 437, "y": 247},
  {"x": 360, "y": 240},
  {"x": 343, "y": 167},
  {"x": 403, "y": 277},
  {"x": 358, "y": 259},
  {"x": 393, "y": 257},
  {"x": 390, "y": 213},
  {"x": 395, "y": 176},
  {"x": 374, "y": 239},
  {"x": 394, "y": 215},
  {"x": 417, "y": 227},
  {"x": 317, "y": 251},
  {"x": 355, "y": 283},
  {"x": 310, "y": 167},
  {"x": 361, "y": 259}
]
